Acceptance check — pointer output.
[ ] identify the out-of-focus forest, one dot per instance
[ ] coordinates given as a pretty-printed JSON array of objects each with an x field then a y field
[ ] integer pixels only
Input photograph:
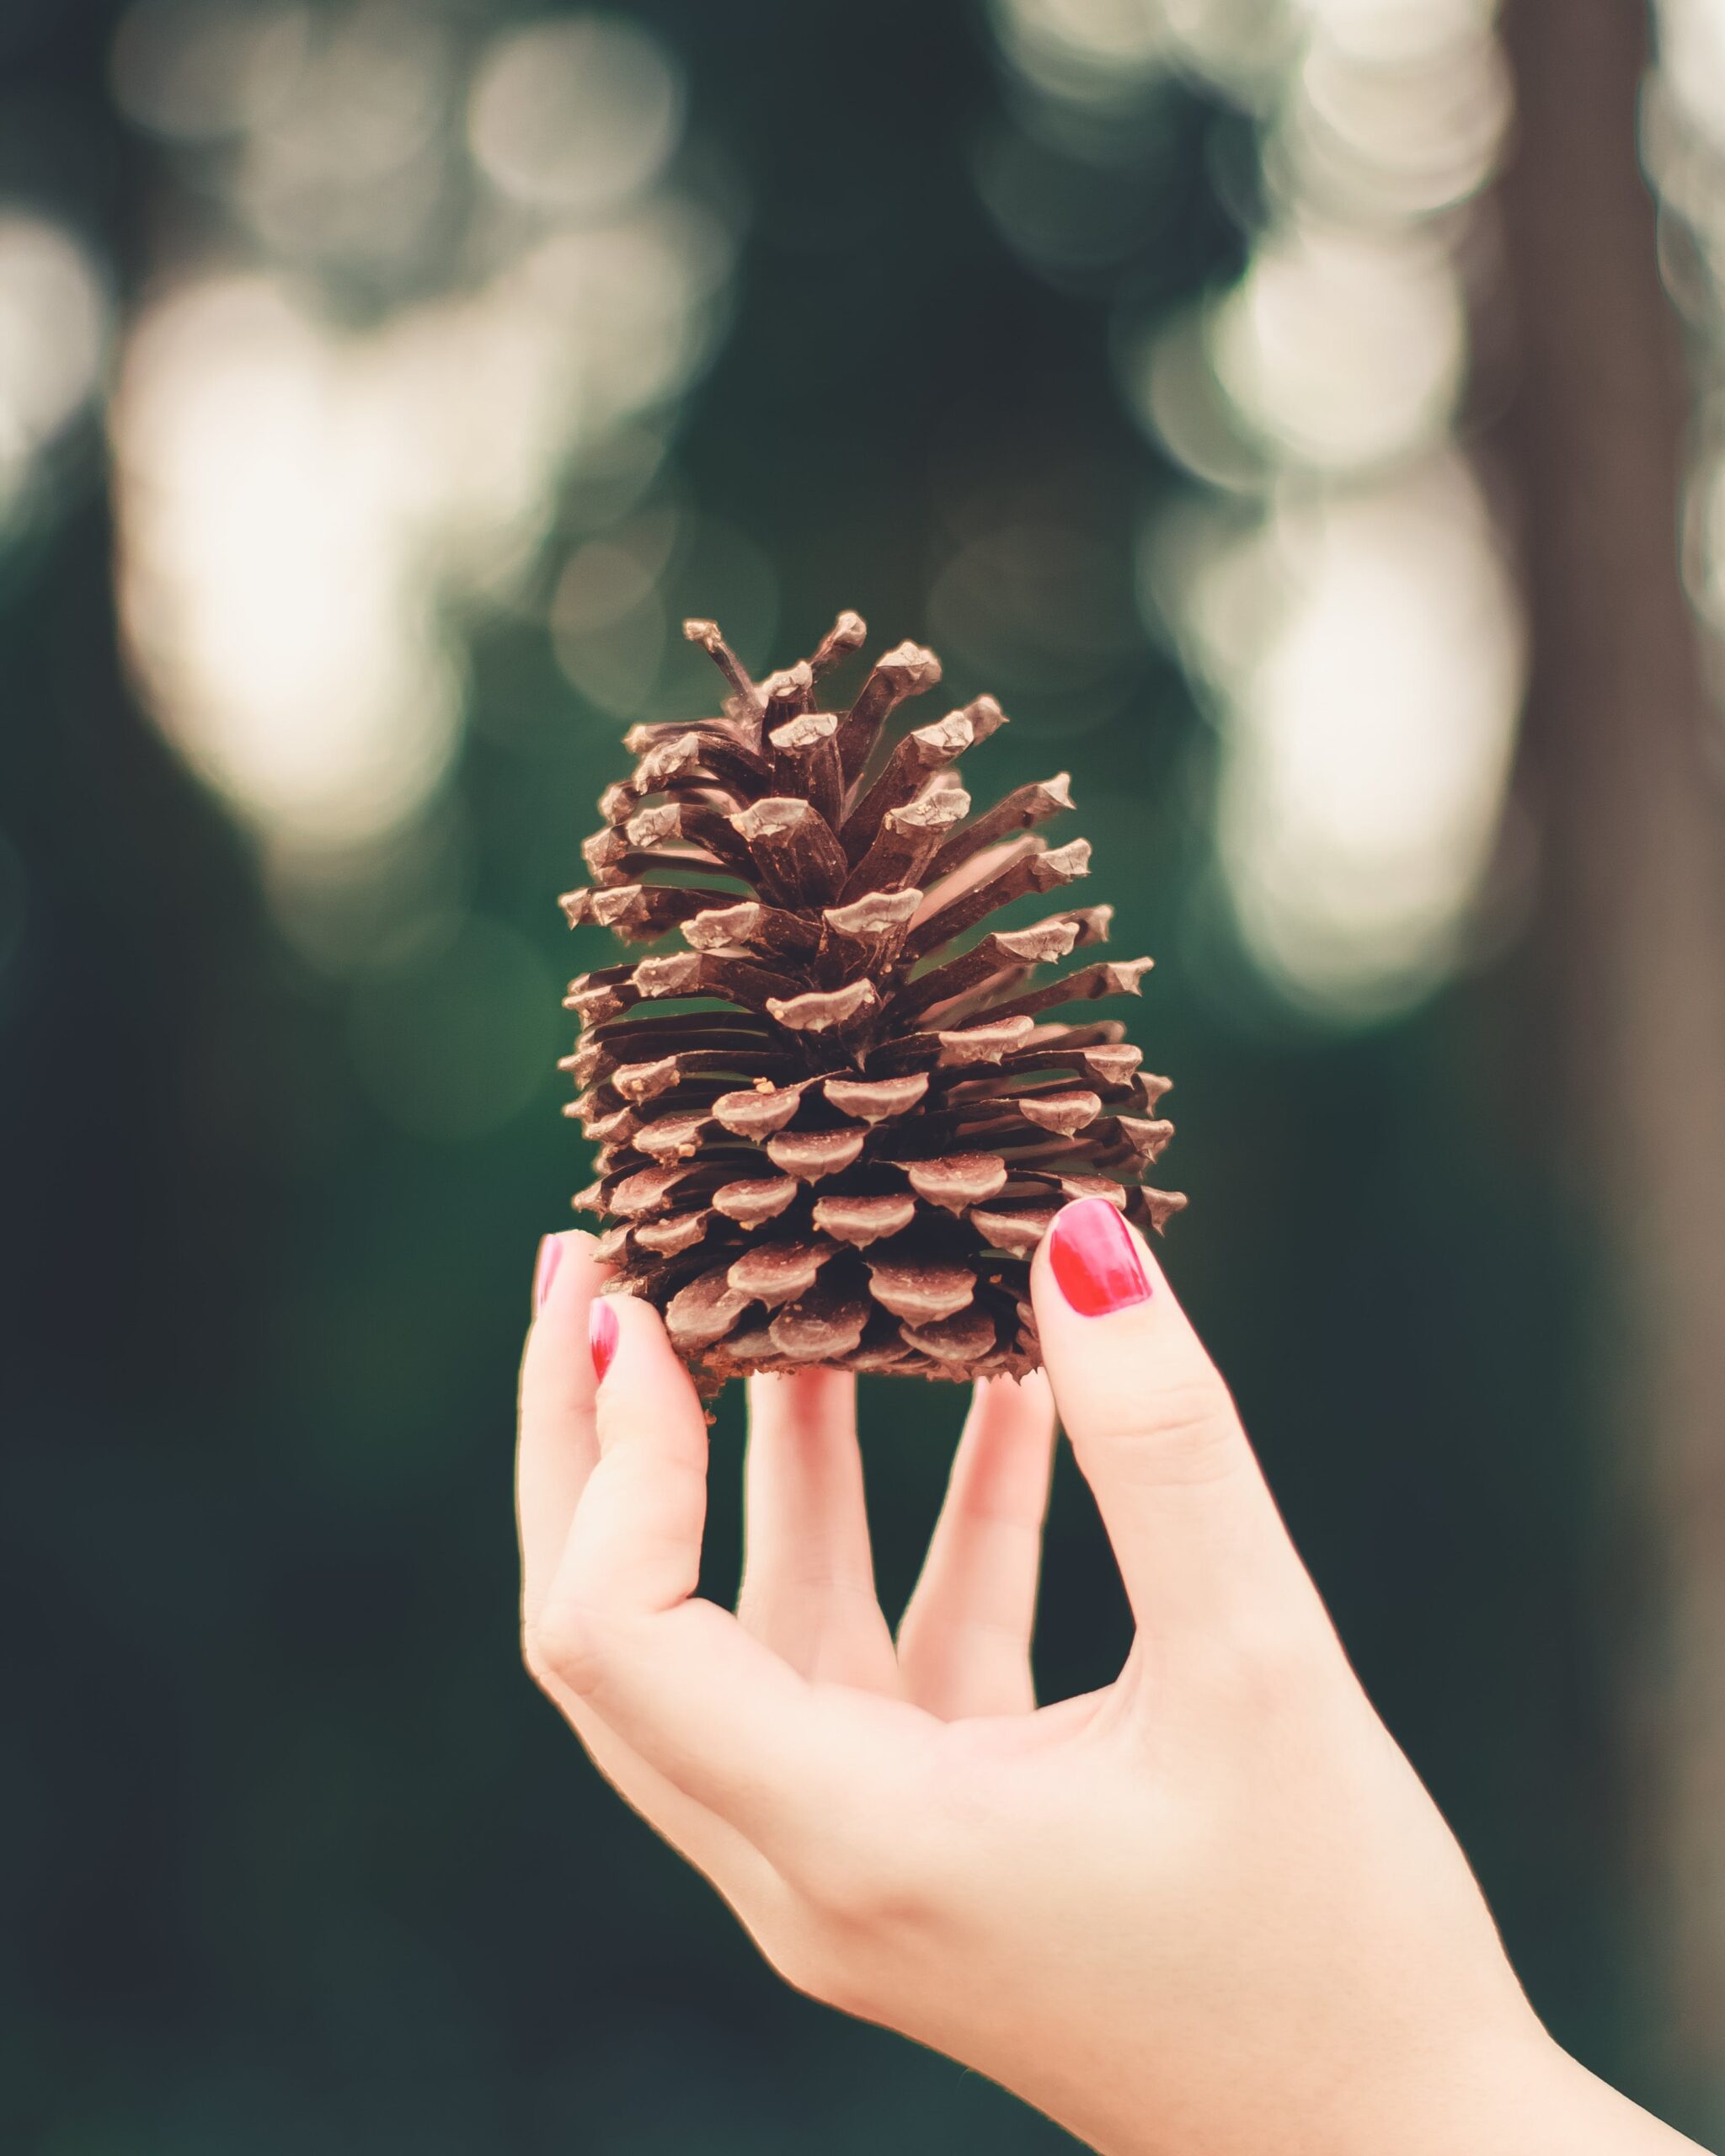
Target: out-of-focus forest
[{"x": 1306, "y": 415}]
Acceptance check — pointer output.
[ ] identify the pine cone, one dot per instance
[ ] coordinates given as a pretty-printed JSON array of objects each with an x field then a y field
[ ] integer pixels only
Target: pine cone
[{"x": 850, "y": 1159}]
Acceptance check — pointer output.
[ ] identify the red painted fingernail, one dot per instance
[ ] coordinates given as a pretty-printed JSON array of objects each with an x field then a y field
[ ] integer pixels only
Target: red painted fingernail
[
  {"x": 545, "y": 1269},
  {"x": 601, "y": 1334},
  {"x": 1096, "y": 1264}
]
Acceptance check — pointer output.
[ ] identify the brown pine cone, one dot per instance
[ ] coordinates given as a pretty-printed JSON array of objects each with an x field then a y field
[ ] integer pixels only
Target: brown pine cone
[{"x": 849, "y": 1153}]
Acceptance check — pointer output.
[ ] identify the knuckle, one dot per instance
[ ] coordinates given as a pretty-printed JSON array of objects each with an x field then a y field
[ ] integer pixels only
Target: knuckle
[
  {"x": 533, "y": 1656},
  {"x": 864, "y": 1885},
  {"x": 809, "y": 1963},
  {"x": 1184, "y": 1431},
  {"x": 840, "y": 1981},
  {"x": 561, "y": 1651},
  {"x": 798, "y": 1939},
  {"x": 873, "y": 1904},
  {"x": 840, "y": 1884}
]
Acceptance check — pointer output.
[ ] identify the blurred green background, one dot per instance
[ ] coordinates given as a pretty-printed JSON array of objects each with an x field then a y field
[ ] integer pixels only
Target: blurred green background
[{"x": 380, "y": 383}]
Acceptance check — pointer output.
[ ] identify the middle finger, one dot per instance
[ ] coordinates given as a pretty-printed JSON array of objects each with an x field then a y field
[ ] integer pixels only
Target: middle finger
[{"x": 808, "y": 1587}]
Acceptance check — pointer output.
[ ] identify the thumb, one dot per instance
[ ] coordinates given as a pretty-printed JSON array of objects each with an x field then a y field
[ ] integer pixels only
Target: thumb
[{"x": 1196, "y": 1533}]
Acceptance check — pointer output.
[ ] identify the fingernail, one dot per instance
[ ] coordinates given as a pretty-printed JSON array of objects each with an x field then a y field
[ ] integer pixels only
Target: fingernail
[
  {"x": 601, "y": 1334},
  {"x": 545, "y": 1269},
  {"x": 1095, "y": 1262}
]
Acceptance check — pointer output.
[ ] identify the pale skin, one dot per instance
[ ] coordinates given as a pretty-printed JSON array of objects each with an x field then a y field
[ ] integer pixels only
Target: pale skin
[{"x": 1208, "y": 1910}]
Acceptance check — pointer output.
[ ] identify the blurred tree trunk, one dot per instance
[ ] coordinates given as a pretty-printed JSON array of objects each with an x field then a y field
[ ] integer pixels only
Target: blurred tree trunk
[{"x": 1624, "y": 753}]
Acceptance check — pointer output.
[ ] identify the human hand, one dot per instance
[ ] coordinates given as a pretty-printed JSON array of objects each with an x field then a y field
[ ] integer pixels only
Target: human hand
[{"x": 1207, "y": 1908}]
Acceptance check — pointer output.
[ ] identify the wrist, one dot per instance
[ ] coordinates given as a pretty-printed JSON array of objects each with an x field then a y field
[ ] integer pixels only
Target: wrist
[
  {"x": 1512, "y": 2090},
  {"x": 1491, "y": 2092}
]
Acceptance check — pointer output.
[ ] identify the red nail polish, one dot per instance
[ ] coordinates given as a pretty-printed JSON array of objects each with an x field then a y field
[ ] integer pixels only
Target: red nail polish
[
  {"x": 1096, "y": 1264},
  {"x": 601, "y": 1334},
  {"x": 545, "y": 1270}
]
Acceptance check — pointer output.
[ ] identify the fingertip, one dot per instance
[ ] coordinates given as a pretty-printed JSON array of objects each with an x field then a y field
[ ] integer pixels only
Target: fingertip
[
  {"x": 1039, "y": 1412},
  {"x": 639, "y": 1323},
  {"x": 1093, "y": 1263},
  {"x": 556, "y": 1371},
  {"x": 1037, "y": 1396},
  {"x": 638, "y": 1375},
  {"x": 1024, "y": 1403},
  {"x": 811, "y": 1395},
  {"x": 546, "y": 1261},
  {"x": 602, "y": 1335},
  {"x": 1008, "y": 1438},
  {"x": 1112, "y": 1331},
  {"x": 566, "y": 1266}
]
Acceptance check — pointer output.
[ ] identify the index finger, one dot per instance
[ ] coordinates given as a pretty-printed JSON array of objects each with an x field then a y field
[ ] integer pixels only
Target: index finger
[{"x": 1199, "y": 1542}]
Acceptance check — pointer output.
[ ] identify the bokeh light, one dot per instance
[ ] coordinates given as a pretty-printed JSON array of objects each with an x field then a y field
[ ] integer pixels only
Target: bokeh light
[
  {"x": 1368, "y": 647},
  {"x": 1683, "y": 141},
  {"x": 617, "y": 605},
  {"x": 1099, "y": 51},
  {"x": 441, "y": 265},
  {"x": 575, "y": 116},
  {"x": 54, "y": 330},
  {"x": 1691, "y": 70},
  {"x": 200, "y": 71},
  {"x": 1343, "y": 597},
  {"x": 269, "y": 592},
  {"x": 1343, "y": 349}
]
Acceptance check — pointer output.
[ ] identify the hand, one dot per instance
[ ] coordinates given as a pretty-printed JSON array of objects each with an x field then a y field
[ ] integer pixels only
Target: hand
[{"x": 1208, "y": 1910}]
